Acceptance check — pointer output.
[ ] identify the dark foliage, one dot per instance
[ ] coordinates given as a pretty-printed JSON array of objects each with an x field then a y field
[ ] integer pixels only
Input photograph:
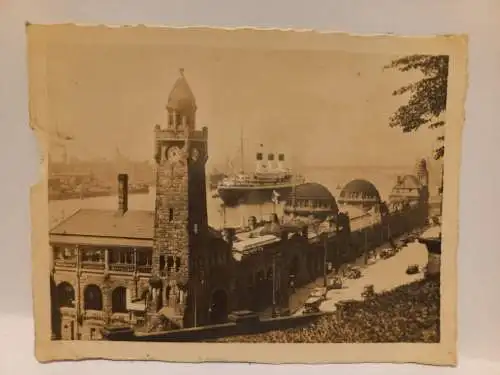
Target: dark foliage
[
  {"x": 409, "y": 313},
  {"x": 427, "y": 96}
]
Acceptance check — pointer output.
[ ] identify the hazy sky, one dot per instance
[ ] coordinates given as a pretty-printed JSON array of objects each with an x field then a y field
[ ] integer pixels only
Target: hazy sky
[{"x": 319, "y": 107}]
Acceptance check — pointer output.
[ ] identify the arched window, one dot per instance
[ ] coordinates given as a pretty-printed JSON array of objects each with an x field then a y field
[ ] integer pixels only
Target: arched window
[
  {"x": 119, "y": 300},
  {"x": 92, "y": 298},
  {"x": 66, "y": 295}
]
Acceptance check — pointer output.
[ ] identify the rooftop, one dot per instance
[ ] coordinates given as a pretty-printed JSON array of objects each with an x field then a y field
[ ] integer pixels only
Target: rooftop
[
  {"x": 312, "y": 191},
  {"x": 133, "y": 224},
  {"x": 181, "y": 97},
  {"x": 359, "y": 187}
]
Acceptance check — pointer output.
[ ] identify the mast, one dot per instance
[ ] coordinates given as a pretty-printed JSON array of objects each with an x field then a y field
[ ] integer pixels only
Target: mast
[
  {"x": 294, "y": 182},
  {"x": 241, "y": 152}
]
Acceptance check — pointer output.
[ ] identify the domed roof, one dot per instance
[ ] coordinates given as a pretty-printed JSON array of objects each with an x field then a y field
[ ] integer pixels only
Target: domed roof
[
  {"x": 409, "y": 182},
  {"x": 359, "y": 186},
  {"x": 181, "y": 97},
  {"x": 313, "y": 191}
]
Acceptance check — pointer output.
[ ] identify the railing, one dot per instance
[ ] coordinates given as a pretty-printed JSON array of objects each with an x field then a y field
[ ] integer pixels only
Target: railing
[
  {"x": 120, "y": 267},
  {"x": 65, "y": 263},
  {"x": 120, "y": 318},
  {"x": 95, "y": 315},
  {"x": 101, "y": 266},
  {"x": 93, "y": 266},
  {"x": 144, "y": 269},
  {"x": 68, "y": 311}
]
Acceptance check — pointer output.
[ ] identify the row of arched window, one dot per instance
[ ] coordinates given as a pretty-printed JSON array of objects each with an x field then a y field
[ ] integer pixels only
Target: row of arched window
[
  {"x": 92, "y": 297},
  {"x": 307, "y": 203},
  {"x": 355, "y": 195}
]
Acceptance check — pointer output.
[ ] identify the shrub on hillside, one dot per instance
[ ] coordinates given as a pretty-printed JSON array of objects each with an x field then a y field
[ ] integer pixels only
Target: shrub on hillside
[{"x": 409, "y": 313}]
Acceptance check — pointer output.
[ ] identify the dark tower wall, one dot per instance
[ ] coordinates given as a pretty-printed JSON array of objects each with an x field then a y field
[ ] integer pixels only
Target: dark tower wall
[{"x": 181, "y": 224}]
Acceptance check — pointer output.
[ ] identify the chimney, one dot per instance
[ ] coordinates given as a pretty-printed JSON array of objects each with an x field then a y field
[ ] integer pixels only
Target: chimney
[
  {"x": 259, "y": 158},
  {"x": 122, "y": 193},
  {"x": 270, "y": 161},
  {"x": 400, "y": 180},
  {"x": 281, "y": 161}
]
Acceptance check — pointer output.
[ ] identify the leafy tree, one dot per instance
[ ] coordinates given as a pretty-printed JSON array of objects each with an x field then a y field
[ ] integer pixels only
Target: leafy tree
[{"x": 427, "y": 96}]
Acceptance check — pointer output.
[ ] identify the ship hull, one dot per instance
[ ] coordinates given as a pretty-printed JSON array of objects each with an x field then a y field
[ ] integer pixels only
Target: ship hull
[{"x": 251, "y": 195}]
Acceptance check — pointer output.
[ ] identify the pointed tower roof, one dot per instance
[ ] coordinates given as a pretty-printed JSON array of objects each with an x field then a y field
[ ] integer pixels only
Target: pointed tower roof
[
  {"x": 421, "y": 167},
  {"x": 181, "y": 97}
]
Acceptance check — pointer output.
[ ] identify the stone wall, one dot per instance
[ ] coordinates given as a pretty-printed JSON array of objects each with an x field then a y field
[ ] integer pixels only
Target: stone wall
[
  {"x": 89, "y": 323},
  {"x": 209, "y": 333}
]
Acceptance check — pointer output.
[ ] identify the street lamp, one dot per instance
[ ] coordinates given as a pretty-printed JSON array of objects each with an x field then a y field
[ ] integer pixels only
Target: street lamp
[
  {"x": 273, "y": 314},
  {"x": 325, "y": 249}
]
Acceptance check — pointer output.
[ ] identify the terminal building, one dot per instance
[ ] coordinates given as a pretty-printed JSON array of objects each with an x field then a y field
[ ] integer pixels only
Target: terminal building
[{"x": 138, "y": 268}]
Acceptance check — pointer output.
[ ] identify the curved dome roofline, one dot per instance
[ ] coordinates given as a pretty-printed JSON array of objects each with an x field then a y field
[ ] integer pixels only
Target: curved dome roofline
[
  {"x": 181, "y": 97},
  {"x": 412, "y": 178},
  {"x": 311, "y": 190},
  {"x": 360, "y": 186}
]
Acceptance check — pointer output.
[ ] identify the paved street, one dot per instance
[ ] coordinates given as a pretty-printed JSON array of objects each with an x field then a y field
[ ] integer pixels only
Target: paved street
[{"x": 385, "y": 274}]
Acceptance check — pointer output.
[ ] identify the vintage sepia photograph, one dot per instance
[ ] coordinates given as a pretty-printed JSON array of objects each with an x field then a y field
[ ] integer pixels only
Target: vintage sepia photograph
[{"x": 242, "y": 186}]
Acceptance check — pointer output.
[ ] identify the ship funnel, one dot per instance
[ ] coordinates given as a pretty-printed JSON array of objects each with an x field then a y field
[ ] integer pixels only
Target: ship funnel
[
  {"x": 270, "y": 161},
  {"x": 259, "y": 161},
  {"x": 281, "y": 161}
]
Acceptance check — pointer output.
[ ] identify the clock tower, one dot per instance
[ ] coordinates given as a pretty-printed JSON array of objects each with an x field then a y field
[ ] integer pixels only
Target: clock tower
[{"x": 181, "y": 224}]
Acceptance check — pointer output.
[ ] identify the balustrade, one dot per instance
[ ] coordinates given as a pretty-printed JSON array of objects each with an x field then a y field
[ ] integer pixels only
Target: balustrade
[
  {"x": 93, "y": 265},
  {"x": 68, "y": 311},
  {"x": 120, "y": 267},
  {"x": 120, "y": 318},
  {"x": 95, "y": 315},
  {"x": 118, "y": 260},
  {"x": 144, "y": 269},
  {"x": 65, "y": 263}
]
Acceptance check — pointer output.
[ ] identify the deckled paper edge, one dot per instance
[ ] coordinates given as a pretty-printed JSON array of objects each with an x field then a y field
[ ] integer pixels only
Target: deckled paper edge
[{"x": 443, "y": 353}]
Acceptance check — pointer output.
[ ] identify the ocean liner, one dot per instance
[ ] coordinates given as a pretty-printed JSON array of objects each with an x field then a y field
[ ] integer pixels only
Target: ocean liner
[{"x": 268, "y": 182}]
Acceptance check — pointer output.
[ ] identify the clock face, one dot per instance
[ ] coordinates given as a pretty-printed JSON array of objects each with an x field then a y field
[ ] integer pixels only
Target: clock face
[
  {"x": 173, "y": 153},
  {"x": 195, "y": 154}
]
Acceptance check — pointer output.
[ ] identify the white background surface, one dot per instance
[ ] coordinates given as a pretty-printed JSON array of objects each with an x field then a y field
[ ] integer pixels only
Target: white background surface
[{"x": 479, "y": 253}]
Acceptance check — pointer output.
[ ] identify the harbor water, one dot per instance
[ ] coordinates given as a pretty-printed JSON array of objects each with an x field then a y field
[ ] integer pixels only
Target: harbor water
[{"x": 383, "y": 178}]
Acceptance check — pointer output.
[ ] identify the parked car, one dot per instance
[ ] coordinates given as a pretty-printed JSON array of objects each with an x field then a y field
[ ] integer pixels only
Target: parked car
[
  {"x": 387, "y": 253},
  {"x": 352, "y": 272},
  {"x": 368, "y": 291},
  {"x": 372, "y": 258},
  {"x": 413, "y": 269},
  {"x": 319, "y": 292},
  {"x": 243, "y": 316},
  {"x": 335, "y": 283},
  {"x": 312, "y": 304}
]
